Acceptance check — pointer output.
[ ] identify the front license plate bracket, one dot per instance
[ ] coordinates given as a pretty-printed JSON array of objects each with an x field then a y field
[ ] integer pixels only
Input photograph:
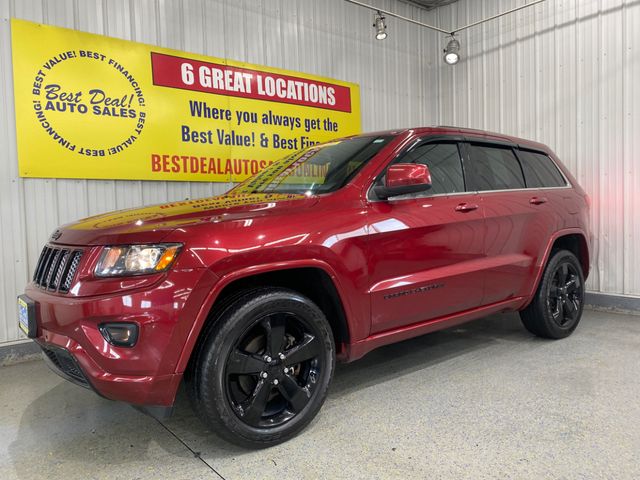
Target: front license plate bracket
[{"x": 27, "y": 316}]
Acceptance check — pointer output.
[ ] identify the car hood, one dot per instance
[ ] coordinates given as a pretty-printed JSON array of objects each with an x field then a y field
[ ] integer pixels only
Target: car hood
[{"x": 154, "y": 223}]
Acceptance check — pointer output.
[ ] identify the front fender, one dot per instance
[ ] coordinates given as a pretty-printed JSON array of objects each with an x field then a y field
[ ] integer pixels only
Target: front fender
[{"x": 249, "y": 271}]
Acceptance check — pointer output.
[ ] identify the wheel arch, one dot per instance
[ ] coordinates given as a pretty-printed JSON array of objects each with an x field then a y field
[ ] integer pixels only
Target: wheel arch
[
  {"x": 577, "y": 244},
  {"x": 313, "y": 278},
  {"x": 572, "y": 239}
]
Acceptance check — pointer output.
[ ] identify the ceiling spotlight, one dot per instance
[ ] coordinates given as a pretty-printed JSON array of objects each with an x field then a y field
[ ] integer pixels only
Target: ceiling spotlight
[
  {"x": 452, "y": 51},
  {"x": 380, "y": 26}
]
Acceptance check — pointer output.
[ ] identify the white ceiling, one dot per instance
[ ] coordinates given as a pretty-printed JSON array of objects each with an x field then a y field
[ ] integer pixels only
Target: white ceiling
[{"x": 430, "y": 4}]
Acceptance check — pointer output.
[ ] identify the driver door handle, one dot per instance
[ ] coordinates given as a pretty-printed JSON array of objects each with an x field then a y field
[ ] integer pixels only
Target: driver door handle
[
  {"x": 466, "y": 207},
  {"x": 538, "y": 200}
]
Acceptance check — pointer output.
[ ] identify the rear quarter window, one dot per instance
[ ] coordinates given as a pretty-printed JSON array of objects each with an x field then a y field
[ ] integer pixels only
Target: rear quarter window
[{"x": 539, "y": 170}]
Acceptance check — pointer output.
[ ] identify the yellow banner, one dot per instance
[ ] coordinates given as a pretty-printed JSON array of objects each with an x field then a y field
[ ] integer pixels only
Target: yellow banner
[{"x": 90, "y": 106}]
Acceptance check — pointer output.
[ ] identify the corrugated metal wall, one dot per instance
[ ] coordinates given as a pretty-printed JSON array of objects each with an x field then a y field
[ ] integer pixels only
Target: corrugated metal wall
[
  {"x": 565, "y": 73},
  {"x": 562, "y": 73}
]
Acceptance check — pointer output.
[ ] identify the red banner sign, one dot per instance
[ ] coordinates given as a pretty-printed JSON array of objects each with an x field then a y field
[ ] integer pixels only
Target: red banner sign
[{"x": 189, "y": 74}]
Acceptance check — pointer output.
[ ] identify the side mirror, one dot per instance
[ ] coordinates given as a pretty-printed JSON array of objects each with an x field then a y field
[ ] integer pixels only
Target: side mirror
[{"x": 404, "y": 178}]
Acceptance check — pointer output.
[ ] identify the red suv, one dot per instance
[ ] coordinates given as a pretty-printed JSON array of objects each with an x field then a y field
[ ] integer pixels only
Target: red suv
[{"x": 250, "y": 297}]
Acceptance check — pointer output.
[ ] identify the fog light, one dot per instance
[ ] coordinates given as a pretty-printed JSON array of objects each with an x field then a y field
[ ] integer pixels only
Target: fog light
[{"x": 120, "y": 334}]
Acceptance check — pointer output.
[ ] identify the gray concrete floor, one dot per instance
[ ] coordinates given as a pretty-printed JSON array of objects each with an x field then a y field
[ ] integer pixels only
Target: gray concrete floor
[{"x": 486, "y": 400}]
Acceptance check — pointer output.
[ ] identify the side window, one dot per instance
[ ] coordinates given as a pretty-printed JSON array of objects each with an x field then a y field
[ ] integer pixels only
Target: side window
[
  {"x": 494, "y": 168},
  {"x": 445, "y": 166},
  {"x": 539, "y": 170}
]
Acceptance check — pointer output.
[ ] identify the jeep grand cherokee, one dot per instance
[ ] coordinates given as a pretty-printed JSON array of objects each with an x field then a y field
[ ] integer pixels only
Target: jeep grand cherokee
[{"x": 250, "y": 297}]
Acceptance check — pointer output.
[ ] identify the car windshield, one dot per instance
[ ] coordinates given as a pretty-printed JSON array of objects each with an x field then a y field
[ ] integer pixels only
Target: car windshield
[{"x": 318, "y": 169}]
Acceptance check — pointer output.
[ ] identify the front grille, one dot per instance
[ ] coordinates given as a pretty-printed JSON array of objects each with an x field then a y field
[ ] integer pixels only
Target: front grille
[
  {"x": 56, "y": 268},
  {"x": 65, "y": 364}
]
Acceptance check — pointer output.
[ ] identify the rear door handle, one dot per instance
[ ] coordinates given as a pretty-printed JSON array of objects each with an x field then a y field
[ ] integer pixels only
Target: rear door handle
[
  {"x": 538, "y": 200},
  {"x": 466, "y": 207}
]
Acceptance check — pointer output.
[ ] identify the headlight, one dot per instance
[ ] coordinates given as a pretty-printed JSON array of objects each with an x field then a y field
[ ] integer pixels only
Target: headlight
[{"x": 136, "y": 259}]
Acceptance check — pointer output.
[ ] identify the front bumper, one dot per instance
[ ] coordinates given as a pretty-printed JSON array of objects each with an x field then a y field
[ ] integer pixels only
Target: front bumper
[
  {"x": 68, "y": 359},
  {"x": 144, "y": 374}
]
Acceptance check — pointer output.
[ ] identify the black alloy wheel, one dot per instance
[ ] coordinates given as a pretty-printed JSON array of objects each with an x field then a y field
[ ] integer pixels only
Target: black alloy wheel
[
  {"x": 556, "y": 307},
  {"x": 272, "y": 371},
  {"x": 263, "y": 368},
  {"x": 565, "y": 294}
]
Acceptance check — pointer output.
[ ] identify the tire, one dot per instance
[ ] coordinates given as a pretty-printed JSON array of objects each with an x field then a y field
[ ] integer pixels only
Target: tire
[
  {"x": 556, "y": 308},
  {"x": 263, "y": 369}
]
